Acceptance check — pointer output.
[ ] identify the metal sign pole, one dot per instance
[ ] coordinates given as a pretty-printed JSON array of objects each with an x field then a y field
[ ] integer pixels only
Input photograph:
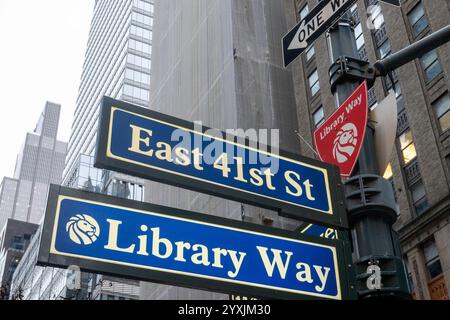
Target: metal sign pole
[{"x": 369, "y": 197}]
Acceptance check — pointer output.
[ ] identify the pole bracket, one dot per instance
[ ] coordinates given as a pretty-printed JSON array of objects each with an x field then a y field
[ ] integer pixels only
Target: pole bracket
[
  {"x": 350, "y": 69},
  {"x": 370, "y": 195}
]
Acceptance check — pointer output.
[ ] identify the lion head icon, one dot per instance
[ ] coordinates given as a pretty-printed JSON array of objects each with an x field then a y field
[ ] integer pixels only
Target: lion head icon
[
  {"x": 83, "y": 229},
  {"x": 345, "y": 142}
]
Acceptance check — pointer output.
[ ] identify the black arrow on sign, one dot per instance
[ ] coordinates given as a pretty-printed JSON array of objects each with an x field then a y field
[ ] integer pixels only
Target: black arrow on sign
[{"x": 320, "y": 19}]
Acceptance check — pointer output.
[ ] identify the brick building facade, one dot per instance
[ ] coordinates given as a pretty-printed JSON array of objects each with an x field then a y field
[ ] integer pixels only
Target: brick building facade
[{"x": 419, "y": 169}]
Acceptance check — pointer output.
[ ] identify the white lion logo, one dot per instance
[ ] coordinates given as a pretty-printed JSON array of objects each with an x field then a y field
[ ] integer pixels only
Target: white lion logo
[
  {"x": 83, "y": 229},
  {"x": 345, "y": 143}
]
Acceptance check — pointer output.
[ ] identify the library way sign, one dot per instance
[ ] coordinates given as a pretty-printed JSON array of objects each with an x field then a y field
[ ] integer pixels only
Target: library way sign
[
  {"x": 142, "y": 241},
  {"x": 120, "y": 237},
  {"x": 144, "y": 143}
]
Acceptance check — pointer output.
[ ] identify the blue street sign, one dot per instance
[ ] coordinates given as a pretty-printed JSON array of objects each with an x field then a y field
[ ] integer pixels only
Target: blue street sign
[
  {"x": 144, "y": 143},
  {"x": 132, "y": 239},
  {"x": 319, "y": 231}
]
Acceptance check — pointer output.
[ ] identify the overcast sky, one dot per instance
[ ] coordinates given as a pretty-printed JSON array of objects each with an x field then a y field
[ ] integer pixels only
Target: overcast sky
[{"x": 41, "y": 57}]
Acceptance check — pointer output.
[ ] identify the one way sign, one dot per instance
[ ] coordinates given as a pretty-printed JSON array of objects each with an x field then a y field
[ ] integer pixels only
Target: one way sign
[{"x": 320, "y": 19}]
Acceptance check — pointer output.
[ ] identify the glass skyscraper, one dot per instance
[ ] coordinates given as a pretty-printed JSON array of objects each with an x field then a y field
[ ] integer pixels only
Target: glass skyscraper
[
  {"x": 39, "y": 163},
  {"x": 117, "y": 64}
]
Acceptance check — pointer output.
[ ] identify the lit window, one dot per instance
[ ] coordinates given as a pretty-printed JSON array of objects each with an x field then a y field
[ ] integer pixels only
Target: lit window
[
  {"x": 432, "y": 260},
  {"x": 442, "y": 107},
  {"x": 409, "y": 152},
  {"x": 417, "y": 19},
  {"x": 388, "y": 174},
  {"x": 318, "y": 117},
  {"x": 431, "y": 65},
  {"x": 419, "y": 197},
  {"x": 314, "y": 84}
]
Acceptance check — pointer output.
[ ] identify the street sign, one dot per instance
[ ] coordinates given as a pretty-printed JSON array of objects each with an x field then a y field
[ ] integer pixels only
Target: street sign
[
  {"x": 319, "y": 231},
  {"x": 319, "y": 20},
  {"x": 340, "y": 138},
  {"x": 120, "y": 237},
  {"x": 151, "y": 145}
]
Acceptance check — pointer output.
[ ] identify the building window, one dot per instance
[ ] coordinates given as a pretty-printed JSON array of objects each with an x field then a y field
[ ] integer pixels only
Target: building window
[
  {"x": 140, "y": 46},
  {"x": 141, "y": 32},
  {"x": 137, "y": 76},
  {"x": 442, "y": 107},
  {"x": 303, "y": 12},
  {"x": 142, "y": 5},
  {"x": 359, "y": 36},
  {"x": 310, "y": 52},
  {"x": 138, "y": 17},
  {"x": 127, "y": 190},
  {"x": 384, "y": 50},
  {"x": 431, "y": 65},
  {"x": 432, "y": 260},
  {"x": 378, "y": 18},
  {"x": 314, "y": 84},
  {"x": 417, "y": 19},
  {"x": 136, "y": 92},
  {"x": 419, "y": 197},
  {"x": 318, "y": 117},
  {"x": 139, "y": 61},
  {"x": 409, "y": 273},
  {"x": 388, "y": 174},
  {"x": 407, "y": 146}
]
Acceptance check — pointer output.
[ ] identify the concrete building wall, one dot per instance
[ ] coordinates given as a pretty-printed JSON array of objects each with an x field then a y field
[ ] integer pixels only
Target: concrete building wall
[{"x": 220, "y": 62}]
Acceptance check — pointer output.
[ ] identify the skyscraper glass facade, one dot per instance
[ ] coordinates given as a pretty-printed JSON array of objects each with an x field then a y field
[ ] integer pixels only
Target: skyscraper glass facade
[
  {"x": 117, "y": 64},
  {"x": 39, "y": 163}
]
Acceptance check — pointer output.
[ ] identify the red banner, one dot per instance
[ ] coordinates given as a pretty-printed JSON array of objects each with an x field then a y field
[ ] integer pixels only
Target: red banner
[{"x": 339, "y": 140}]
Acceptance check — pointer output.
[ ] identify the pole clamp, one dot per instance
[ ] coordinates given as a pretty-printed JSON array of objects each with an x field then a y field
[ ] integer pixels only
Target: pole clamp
[{"x": 350, "y": 69}]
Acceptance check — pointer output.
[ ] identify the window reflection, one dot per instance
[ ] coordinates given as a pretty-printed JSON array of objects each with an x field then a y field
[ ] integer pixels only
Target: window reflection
[
  {"x": 418, "y": 19},
  {"x": 431, "y": 65},
  {"x": 442, "y": 109},
  {"x": 388, "y": 174},
  {"x": 314, "y": 84},
  {"x": 408, "y": 148},
  {"x": 125, "y": 189}
]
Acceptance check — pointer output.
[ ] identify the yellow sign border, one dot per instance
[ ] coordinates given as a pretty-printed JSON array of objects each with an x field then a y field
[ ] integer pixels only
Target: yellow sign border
[
  {"x": 53, "y": 250},
  {"x": 113, "y": 156}
]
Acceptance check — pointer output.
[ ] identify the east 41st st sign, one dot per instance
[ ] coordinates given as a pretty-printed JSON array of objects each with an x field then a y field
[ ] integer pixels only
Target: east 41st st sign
[
  {"x": 151, "y": 145},
  {"x": 146, "y": 242}
]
